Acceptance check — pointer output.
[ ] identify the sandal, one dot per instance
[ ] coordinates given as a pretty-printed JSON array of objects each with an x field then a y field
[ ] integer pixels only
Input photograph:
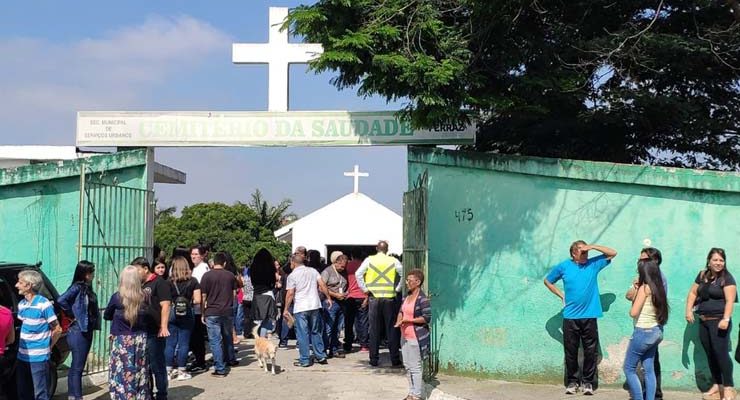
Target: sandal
[{"x": 711, "y": 395}]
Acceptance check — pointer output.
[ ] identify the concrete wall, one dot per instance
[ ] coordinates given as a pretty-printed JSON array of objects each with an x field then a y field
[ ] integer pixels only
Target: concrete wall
[
  {"x": 40, "y": 208},
  {"x": 497, "y": 224}
]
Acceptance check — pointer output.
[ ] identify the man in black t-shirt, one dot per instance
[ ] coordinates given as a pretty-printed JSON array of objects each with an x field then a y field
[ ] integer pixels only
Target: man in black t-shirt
[
  {"x": 218, "y": 288},
  {"x": 158, "y": 299}
]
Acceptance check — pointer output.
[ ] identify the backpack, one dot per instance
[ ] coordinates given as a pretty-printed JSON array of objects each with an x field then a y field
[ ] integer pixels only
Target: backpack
[{"x": 181, "y": 305}]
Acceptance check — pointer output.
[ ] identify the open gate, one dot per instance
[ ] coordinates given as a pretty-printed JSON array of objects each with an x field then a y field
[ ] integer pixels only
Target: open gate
[
  {"x": 115, "y": 227},
  {"x": 416, "y": 249}
]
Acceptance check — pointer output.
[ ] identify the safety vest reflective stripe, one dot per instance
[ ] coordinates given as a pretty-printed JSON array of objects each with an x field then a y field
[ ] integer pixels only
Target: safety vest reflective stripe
[{"x": 381, "y": 276}]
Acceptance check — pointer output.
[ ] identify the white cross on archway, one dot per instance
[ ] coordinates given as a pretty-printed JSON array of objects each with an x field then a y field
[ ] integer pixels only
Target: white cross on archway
[
  {"x": 278, "y": 54},
  {"x": 357, "y": 174}
]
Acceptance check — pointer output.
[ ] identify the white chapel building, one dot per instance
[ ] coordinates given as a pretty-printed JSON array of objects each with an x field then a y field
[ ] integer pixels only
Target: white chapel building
[{"x": 352, "y": 224}]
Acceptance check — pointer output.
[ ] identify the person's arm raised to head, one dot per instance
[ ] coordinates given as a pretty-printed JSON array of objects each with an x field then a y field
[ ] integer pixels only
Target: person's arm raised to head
[{"x": 607, "y": 251}]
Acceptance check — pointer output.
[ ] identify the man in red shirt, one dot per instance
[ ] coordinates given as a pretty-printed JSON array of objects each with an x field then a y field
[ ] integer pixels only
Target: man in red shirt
[{"x": 355, "y": 312}]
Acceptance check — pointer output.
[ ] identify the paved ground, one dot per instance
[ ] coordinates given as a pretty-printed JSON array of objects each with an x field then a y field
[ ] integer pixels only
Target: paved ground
[
  {"x": 473, "y": 389},
  {"x": 350, "y": 379}
]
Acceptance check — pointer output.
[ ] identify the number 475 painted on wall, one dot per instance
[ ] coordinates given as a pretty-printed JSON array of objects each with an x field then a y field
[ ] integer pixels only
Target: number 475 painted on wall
[{"x": 464, "y": 215}]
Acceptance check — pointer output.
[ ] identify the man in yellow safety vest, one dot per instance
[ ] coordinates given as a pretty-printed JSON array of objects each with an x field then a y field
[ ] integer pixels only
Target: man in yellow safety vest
[{"x": 379, "y": 277}]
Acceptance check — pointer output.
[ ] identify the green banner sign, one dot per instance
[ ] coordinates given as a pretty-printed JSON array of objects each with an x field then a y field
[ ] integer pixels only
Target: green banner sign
[{"x": 224, "y": 129}]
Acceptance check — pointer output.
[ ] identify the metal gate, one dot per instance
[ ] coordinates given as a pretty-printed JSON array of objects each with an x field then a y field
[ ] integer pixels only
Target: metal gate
[
  {"x": 416, "y": 249},
  {"x": 415, "y": 228},
  {"x": 115, "y": 228}
]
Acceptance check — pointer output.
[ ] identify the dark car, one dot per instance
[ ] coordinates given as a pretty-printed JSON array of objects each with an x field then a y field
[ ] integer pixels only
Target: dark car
[{"x": 10, "y": 298}]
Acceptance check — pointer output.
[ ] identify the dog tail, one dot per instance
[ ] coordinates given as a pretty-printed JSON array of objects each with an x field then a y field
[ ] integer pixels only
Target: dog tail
[{"x": 255, "y": 331}]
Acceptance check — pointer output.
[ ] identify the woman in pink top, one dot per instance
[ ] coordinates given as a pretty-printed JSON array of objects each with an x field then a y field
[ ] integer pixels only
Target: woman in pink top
[
  {"x": 7, "y": 328},
  {"x": 413, "y": 319}
]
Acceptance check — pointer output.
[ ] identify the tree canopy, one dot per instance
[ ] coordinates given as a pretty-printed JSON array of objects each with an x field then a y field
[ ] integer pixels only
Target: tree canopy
[
  {"x": 626, "y": 81},
  {"x": 272, "y": 217},
  {"x": 236, "y": 229}
]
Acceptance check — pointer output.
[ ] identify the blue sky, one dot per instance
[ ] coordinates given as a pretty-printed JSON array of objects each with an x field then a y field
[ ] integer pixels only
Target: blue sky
[{"x": 62, "y": 57}]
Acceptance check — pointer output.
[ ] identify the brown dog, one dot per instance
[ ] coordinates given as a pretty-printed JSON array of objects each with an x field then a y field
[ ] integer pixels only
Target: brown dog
[{"x": 264, "y": 349}]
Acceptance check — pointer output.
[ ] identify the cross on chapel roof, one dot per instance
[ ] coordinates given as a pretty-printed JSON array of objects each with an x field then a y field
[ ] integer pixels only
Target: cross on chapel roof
[
  {"x": 357, "y": 174},
  {"x": 278, "y": 54}
]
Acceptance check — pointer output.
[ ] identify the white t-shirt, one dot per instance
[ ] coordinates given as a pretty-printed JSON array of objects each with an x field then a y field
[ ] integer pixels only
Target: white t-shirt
[
  {"x": 305, "y": 281},
  {"x": 198, "y": 273}
]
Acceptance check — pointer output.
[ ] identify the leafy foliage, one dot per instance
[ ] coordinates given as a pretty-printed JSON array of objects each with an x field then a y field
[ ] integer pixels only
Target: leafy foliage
[
  {"x": 626, "y": 81},
  {"x": 236, "y": 229},
  {"x": 271, "y": 217}
]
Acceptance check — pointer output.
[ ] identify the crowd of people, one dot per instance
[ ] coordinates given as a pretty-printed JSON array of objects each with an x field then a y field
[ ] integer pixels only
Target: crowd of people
[
  {"x": 711, "y": 297},
  {"x": 163, "y": 312}
]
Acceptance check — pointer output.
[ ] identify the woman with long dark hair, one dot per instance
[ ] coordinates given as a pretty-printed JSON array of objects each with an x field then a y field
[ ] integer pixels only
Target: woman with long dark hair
[
  {"x": 650, "y": 313},
  {"x": 80, "y": 303},
  {"x": 713, "y": 296},
  {"x": 262, "y": 275}
]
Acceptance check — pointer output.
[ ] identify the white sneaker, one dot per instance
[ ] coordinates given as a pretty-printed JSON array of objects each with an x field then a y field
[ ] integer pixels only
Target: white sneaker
[
  {"x": 588, "y": 390},
  {"x": 572, "y": 388},
  {"x": 171, "y": 374},
  {"x": 183, "y": 376}
]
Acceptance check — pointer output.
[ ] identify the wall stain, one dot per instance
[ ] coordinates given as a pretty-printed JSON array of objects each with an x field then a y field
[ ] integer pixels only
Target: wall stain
[
  {"x": 610, "y": 369},
  {"x": 493, "y": 336}
]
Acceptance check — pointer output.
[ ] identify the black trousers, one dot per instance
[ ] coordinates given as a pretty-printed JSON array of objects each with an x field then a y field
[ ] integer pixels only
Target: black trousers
[
  {"x": 716, "y": 343},
  {"x": 247, "y": 323},
  {"x": 577, "y": 332},
  {"x": 382, "y": 316},
  {"x": 198, "y": 341}
]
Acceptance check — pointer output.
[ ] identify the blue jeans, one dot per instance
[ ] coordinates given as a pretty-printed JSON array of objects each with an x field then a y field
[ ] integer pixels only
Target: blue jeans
[
  {"x": 642, "y": 347},
  {"x": 238, "y": 318},
  {"x": 79, "y": 344},
  {"x": 178, "y": 343},
  {"x": 32, "y": 380},
  {"x": 220, "y": 332},
  {"x": 266, "y": 326},
  {"x": 284, "y": 329},
  {"x": 333, "y": 320},
  {"x": 155, "y": 354},
  {"x": 308, "y": 326}
]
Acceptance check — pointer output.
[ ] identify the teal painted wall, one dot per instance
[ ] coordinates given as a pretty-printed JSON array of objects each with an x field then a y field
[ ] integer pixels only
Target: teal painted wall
[
  {"x": 40, "y": 203},
  {"x": 492, "y": 314}
]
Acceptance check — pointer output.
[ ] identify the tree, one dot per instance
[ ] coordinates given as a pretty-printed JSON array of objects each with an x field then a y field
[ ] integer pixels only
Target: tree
[
  {"x": 625, "y": 81},
  {"x": 271, "y": 217},
  {"x": 162, "y": 213},
  {"x": 236, "y": 229}
]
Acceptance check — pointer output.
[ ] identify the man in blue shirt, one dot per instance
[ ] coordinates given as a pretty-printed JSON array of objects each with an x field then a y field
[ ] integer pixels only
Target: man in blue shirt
[
  {"x": 39, "y": 332},
  {"x": 582, "y": 306}
]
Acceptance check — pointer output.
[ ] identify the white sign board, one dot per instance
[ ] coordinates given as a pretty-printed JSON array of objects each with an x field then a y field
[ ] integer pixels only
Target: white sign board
[{"x": 236, "y": 128}]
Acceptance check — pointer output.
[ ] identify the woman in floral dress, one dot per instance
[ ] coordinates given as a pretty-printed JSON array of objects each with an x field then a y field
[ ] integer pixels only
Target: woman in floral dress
[{"x": 128, "y": 370}]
